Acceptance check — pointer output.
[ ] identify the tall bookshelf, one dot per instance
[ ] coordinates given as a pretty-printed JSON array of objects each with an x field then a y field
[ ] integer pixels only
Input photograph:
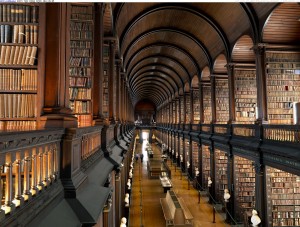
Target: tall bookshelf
[
  {"x": 283, "y": 198},
  {"x": 205, "y": 165},
  {"x": 222, "y": 101},
  {"x": 245, "y": 95},
  {"x": 181, "y": 147},
  {"x": 20, "y": 74},
  {"x": 81, "y": 62},
  {"x": 178, "y": 111},
  {"x": 174, "y": 112},
  {"x": 283, "y": 85},
  {"x": 244, "y": 184},
  {"x": 196, "y": 105},
  {"x": 187, "y": 108},
  {"x": 221, "y": 165},
  {"x": 207, "y": 103},
  {"x": 105, "y": 84},
  {"x": 182, "y": 110},
  {"x": 195, "y": 155}
]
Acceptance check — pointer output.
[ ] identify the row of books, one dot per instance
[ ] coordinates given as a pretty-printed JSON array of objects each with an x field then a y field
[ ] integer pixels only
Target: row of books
[
  {"x": 74, "y": 61},
  {"x": 84, "y": 120},
  {"x": 17, "y": 125},
  {"x": 18, "y": 79},
  {"x": 290, "y": 94},
  {"x": 80, "y": 44},
  {"x": 80, "y": 71},
  {"x": 19, "y": 13},
  {"x": 288, "y": 99},
  {"x": 271, "y": 82},
  {"x": 81, "y": 26},
  {"x": 284, "y": 88},
  {"x": 282, "y": 57},
  {"x": 76, "y": 9},
  {"x": 85, "y": 82},
  {"x": 18, "y": 55},
  {"x": 284, "y": 72},
  {"x": 286, "y": 65},
  {"x": 81, "y": 52},
  {"x": 81, "y": 35},
  {"x": 27, "y": 34},
  {"x": 79, "y": 107},
  {"x": 17, "y": 105},
  {"x": 80, "y": 93}
]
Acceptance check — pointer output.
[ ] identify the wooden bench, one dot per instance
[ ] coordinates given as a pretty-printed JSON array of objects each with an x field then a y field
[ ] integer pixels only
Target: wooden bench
[{"x": 175, "y": 211}]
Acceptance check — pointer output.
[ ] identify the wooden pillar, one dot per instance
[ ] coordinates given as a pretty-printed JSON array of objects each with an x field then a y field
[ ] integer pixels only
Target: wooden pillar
[
  {"x": 213, "y": 98},
  {"x": 56, "y": 87},
  {"x": 261, "y": 84},
  {"x": 230, "y": 71},
  {"x": 260, "y": 193},
  {"x": 98, "y": 63},
  {"x": 201, "y": 103}
]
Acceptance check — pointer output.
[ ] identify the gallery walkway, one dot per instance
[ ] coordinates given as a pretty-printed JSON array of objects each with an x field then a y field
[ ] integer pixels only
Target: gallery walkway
[{"x": 145, "y": 208}]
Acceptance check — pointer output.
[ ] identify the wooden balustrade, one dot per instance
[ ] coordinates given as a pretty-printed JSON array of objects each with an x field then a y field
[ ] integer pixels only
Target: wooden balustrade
[
  {"x": 282, "y": 133},
  {"x": 29, "y": 162},
  {"x": 90, "y": 143},
  {"x": 244, "y": 130},
  {"x": 205, "y": 128},
  {"x": 220, "y": 129}
]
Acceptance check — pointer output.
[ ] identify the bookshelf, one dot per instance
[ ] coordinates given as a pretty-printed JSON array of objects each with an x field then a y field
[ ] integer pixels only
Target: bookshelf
[
  {"x": 245, "y": 95},
  {"x": 205, "y": 165},
  {"x": 182, "y": 110},
  {"x": 283, "y": 198},
  {"x": 19, "y": 71},
  {"x": 283, "y": 85},
  {"x": 222, "y": 101},
  {"x": 195, "y": 155},
  {"x": 221, "y": 163},
  {"x": 174, "y": 112},
  {"x": 196, "y": 105},
  {"x": 244, "y": 184},
  {"x": 187, "y": 108},
  {"x": 207, "y": 103},
  {"x": 181, "y": 148},
  {"x": 187, "y": 152},
  {"x": 178, "y": 111},
  {"x": 81, "y": 63}
]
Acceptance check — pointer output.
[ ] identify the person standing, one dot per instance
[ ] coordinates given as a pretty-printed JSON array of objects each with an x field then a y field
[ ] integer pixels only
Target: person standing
[
  {"x": 136, "y": 157},
  {"x": 141, "y": 156}
]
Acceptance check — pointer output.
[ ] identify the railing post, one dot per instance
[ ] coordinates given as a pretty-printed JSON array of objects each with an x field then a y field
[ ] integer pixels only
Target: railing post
[{"x": 214, "y": 215}]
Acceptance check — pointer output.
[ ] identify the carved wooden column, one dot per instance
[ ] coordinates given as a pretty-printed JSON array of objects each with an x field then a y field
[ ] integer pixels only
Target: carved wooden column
[
  {"x": 56, "y": 87},
  {"x": 230, "y": 71},
  {"x": 213, "y": 98},
  {"x": 98, "y": 64},
  {"x": 261, "y": 83},
  {"x": 260, "y": 193}
]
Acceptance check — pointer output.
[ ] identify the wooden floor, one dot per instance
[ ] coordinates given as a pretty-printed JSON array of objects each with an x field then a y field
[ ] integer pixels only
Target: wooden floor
[{"x": 145, "y": 208}]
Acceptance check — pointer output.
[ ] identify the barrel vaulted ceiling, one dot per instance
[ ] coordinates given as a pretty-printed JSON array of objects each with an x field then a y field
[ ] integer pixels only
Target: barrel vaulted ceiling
[{"x": 164, "y": 45}]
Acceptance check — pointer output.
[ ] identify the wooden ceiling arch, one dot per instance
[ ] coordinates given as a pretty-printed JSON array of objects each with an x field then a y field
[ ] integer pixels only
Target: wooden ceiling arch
[
  {"x": 169, "y": 62},
  {"x": 150, "y": 78},
  {"x": 153, "y": 75},
  {"x": 190, "y": 61},
  {"x": 149, "y": 92},
  {"x": 161, "y": 68},
  {"x": 190, "y": 37},
  {"x": 162, "y": 91}
]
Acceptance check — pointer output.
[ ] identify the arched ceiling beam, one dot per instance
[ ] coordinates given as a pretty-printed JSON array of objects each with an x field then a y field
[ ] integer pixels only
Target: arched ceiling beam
[
  {"x": 172, "y": 30},
  {"x": 165, "y": 45},
  {"x": 163, "y": 89},
  {"x": 183, "y": 7},
  {"x": 168, "y": 58},
  {"x": 160, "y": 92},
  {"x": 155, "y": 78},
  {"x": 173, "y": 46},
  {"x": 143, "y": 90},
  {"x": 154, "y": 99},
  {"x": 152, "y": 73},
  {"x": 248, "y": 9}
]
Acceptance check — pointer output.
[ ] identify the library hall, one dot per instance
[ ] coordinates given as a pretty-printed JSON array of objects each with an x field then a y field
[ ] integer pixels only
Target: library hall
[{"x": 149, "y": 114}]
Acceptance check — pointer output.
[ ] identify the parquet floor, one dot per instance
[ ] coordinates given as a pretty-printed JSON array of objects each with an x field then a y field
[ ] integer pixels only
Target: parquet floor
[{"x": 145, "y": 208}]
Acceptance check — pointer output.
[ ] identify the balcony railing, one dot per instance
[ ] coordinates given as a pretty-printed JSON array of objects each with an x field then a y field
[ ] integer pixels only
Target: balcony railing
[
  {"x": 29, "y": 162},
  {"x": 282, "y": 133},
  {"x": 221, "y": 129},
  {"x": 244, "y": 130}
]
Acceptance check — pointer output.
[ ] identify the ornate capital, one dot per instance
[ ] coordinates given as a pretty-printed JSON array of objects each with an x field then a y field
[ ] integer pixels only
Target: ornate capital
[{"x": 259, "y": 48}]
